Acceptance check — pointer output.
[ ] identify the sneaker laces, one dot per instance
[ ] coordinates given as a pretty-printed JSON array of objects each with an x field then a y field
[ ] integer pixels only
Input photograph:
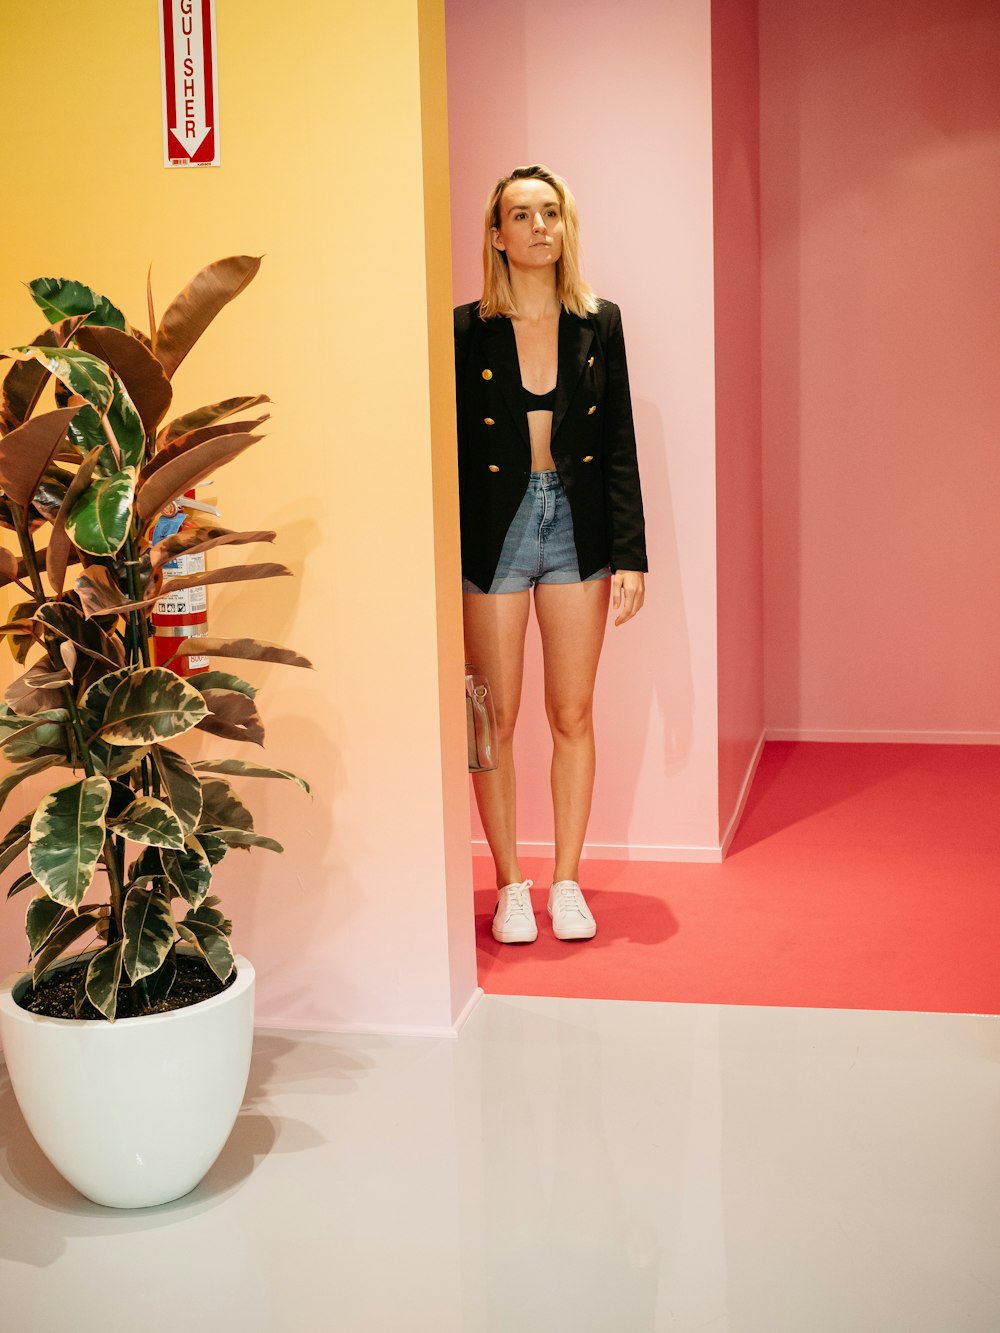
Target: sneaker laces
[
  {"x": 518, "y": 900},
  {"x": 569, "y": 897}
]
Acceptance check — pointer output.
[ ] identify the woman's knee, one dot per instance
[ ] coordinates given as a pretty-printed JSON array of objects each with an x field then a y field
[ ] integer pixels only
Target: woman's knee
[{"x": 570, "y": 721}]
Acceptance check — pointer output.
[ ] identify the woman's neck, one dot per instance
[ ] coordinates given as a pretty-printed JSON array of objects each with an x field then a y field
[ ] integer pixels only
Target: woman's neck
[{"x": 535, "y": 296}]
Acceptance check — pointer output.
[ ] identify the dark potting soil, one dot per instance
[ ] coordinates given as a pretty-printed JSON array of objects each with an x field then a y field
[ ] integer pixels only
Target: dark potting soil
[{"x": 55, "y": 997}]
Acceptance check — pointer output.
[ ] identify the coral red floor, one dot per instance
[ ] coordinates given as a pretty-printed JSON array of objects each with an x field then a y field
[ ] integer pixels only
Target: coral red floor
[{"x": 862, "y": 877}]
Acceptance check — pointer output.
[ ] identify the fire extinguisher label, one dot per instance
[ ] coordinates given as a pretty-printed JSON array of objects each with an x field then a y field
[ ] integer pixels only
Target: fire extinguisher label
[{"x": 185, "y": 601}]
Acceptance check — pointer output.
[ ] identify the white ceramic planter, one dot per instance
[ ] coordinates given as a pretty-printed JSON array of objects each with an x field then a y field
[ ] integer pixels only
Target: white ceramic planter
[{"x": 132, "y": 1113}]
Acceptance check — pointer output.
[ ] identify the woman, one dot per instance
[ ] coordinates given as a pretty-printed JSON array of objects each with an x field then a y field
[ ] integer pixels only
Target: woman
[{"x": 550, "y": 501}]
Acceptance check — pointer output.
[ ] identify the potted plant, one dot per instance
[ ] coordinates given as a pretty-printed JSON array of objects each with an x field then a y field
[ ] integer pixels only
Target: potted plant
[{"x": 129, "y": 1059}]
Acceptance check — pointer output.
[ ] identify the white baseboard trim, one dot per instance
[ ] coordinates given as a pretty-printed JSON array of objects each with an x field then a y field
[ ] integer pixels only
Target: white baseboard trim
[
  {"x": 614, "y": 851},
  {"x": 265, "y": 1023},
  {"x": 467, "y": 1009},
  {"x": 884, "y": 737},
  {"x": 737, "y": 814}
]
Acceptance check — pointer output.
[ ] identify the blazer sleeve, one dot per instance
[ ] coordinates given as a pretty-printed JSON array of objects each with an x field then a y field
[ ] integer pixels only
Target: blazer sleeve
[{"x": 622, "y": 495}]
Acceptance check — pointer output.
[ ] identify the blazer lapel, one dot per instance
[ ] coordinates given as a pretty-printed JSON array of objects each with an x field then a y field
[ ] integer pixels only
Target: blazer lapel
[
  {"x": 501, "y": 350},
  {"x": 575, "y": 338}
]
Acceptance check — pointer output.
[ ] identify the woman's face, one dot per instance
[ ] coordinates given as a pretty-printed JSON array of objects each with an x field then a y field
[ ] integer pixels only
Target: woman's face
[{"x": 531, "y": 225}]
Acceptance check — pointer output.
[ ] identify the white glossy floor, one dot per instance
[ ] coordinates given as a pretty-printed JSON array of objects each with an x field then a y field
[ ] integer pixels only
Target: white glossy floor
[{"x": 564, "y": 1165}]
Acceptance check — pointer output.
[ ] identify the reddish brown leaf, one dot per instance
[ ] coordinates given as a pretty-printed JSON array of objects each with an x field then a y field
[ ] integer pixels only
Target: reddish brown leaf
[
  {"x": 230, "y": 574},
  {"x": 192, "y": 310},
  {"x": 253, "y": 650},
  {"x": 204, "y": 416},
  {"x": 27, "y": 451},
  {"x": 99, "y": 593},
  {"x": 233, "y": 716},
  {"x": 149, "y": 307},
  {"x": 25, "y": 380},
  {"x": 136, "y": 367},
  {"x": 39, "y": 689},
  {"x": 65, "y": 620},
  {"x": 186, "y": 471},
  {"x": 8, "y": 566},
  {"x": 191, "y": 440},
  {"x": 189, "y": 541},
  {"x": 60, "y": 548}
]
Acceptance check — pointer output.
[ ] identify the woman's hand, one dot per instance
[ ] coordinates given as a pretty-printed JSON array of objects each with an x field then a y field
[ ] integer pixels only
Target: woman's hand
[{"x": 628, "y": 588}]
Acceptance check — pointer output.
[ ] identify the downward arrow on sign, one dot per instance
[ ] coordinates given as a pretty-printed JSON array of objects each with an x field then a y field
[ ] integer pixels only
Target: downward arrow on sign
[{"x": 191, "y": 128}]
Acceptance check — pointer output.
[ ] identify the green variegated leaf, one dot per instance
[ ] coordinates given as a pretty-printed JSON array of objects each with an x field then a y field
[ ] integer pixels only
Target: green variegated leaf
[
  {"x": 211, "y": 943},
  {"x": 180, "y": 786},
  {"x": 87, "y": 432},
  {"x": 61, "y": 298},
  {"x": 41, "y": 919},
  {"x": 114, "y": 762},
  {"x": 95, "y": 700},
  {"x": 150, "y": 821},
  {"x": 160, "y": 983},
  {"x": 222, "y": 680},
  {"x": 147, "y": 865},
  {"x": 103, "y": 977},
  {"x": 26, "y": 738},
  {"x": 81, "y": 373},
  {"x": 67, "y": 834},
  {"x": 65, "y": 934},
  {"x": 99, "y": 521},
  {"x": 208, "y": 845},
  {"x": 189, "y": 871},
  {"x": 222, "y": 807},
  {"x": 152, "y": 705},
  {"x": 237, "y": 837},
  {"x": 248, "y": 769},
  {"x": 18, "y": 775},
  {"x": 148, "y": 927},
  {"x": 208, "y": 913}
]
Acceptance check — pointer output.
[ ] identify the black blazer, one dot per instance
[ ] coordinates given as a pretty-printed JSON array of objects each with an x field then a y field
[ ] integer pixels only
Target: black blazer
[{"x": 593, "y": 440}]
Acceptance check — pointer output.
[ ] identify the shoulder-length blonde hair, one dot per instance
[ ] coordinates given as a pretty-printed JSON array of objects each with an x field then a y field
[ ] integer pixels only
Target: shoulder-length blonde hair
[{"x": 574, "y": 294}]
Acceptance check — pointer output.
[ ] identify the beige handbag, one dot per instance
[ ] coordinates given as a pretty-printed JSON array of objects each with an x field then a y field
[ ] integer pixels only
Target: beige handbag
[{"x": 481, "y": 722}]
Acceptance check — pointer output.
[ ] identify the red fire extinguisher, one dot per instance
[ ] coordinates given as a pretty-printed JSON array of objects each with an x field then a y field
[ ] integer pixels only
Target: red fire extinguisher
[{"x": 181, "y": 614}]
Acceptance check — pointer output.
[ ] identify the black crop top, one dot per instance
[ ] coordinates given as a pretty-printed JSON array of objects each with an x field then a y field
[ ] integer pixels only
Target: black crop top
[{"x": 539, "y": 402}]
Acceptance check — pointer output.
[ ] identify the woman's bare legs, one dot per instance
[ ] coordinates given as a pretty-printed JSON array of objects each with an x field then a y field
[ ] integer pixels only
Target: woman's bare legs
[
  {"x": 494, "y": 643},
  {"x": 571, "y": 617}
]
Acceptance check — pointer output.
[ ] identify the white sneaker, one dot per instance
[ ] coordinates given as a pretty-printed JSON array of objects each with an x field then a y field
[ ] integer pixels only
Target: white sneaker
[
  {"x": 514, "y": 921},
  {"x": 572, "y": 919}
]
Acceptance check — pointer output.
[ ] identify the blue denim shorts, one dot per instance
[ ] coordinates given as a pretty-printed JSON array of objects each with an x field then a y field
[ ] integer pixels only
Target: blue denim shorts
[{"x": 539, "y": 546}]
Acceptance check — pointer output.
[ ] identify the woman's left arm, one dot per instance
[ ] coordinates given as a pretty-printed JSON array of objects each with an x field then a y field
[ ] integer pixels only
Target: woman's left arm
[{"x": 622, "y": 494}]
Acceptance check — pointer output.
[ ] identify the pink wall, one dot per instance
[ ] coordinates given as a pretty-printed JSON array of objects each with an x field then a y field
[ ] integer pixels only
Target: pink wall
[
  {"x": 880, "y": 171},
  {"x": 619, "y": 101},
  {"x": 739, "y": 539}
]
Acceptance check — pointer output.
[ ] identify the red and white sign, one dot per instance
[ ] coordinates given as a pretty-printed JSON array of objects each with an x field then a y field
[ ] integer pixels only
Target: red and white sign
[{"x": 190, "y": 87}]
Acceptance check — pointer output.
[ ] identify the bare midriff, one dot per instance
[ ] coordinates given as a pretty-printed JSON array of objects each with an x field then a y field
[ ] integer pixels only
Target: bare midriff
[{"x": 538, "y": 355}]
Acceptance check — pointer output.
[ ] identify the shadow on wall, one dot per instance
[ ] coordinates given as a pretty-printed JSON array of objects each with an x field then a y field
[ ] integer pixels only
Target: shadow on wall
[{"x": 651, "y": 692}]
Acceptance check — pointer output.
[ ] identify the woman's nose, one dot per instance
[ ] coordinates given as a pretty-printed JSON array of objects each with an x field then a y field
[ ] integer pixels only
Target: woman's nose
[{"x": 538, "y": 223}]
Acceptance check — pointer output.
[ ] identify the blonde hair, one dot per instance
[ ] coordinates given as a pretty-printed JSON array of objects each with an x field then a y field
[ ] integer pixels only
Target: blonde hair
[{"x": 573, "y": 292}]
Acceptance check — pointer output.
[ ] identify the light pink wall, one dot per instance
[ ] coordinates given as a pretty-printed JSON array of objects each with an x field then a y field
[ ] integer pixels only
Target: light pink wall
[
  {"x": 618, "y": 100},
  {"x": 739, "y": 540},
  {"x": 880, "y": 170}
]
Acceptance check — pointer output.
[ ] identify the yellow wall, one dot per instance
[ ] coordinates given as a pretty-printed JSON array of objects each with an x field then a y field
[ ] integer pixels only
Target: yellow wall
[{"x": 334, "y": 168}]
